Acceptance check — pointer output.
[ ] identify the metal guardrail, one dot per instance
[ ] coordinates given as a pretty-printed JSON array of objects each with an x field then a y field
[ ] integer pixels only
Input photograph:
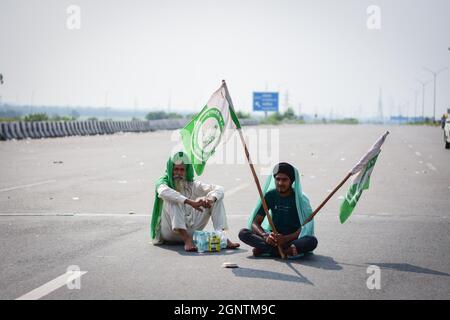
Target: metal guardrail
[{"x": 52, "y": 129}]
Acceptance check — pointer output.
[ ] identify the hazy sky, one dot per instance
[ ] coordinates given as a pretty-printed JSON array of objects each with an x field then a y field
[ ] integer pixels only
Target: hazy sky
[{"x": 140, "y": 53}]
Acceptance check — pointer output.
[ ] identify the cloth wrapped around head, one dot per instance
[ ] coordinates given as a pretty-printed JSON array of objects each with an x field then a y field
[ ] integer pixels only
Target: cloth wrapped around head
[
  {"x": 301, "y": 200},
  {"x": 286, "y": 168},
  {"x": 167, "y": 179}
]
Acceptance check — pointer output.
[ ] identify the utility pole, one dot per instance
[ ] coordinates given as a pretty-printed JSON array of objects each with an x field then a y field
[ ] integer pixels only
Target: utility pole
[
  {"x": 266, "y": 90},
  {"x": 434, "y": 73},
  {"x": 415, "y": 104},
  {"x": 380, "y": 106},
  {"x": 1, "y": 82},
  {"x": 286, "y": 100},
  {"x": 424, "y": 84},
  {"x": 407, "y": 110}
]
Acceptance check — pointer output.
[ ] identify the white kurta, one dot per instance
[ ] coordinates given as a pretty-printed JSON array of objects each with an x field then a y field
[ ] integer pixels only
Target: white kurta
[{"x": 178, "y": 215}]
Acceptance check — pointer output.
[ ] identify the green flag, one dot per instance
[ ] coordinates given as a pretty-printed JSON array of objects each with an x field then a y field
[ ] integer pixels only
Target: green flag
[
  {"x": 361, "y": 182},
  {"x": 207, "y": 129}
]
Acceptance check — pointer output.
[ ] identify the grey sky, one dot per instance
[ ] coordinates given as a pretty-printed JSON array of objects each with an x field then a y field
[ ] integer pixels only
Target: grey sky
[{"x": 140, "y": 52}]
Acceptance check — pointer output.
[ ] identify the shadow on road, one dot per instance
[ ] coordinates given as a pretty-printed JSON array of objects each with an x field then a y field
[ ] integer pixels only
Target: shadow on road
[
  {"x": 271, "y": 275},
  {"x": 317, "y": 261},
  {"x": 406, "y": 267},
  {"x": 180, "y": 249}
]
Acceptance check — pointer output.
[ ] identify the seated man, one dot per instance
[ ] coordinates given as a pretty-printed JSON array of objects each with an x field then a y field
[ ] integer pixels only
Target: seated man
[
  {"x": 289, "y": 208},
  {"x": 183, "y": 205}
]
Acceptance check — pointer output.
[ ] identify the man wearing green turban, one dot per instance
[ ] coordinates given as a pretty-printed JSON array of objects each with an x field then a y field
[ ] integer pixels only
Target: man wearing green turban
[{"x": 184, "y": 205}]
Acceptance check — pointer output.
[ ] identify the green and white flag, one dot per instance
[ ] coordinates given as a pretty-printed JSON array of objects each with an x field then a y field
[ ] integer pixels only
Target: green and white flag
[
  {"x": 207, "y": 129},
  {"x": 361, "y": 181}
]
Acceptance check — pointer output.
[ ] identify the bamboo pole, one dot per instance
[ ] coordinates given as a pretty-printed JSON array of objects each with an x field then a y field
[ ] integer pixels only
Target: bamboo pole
[
  {"x": 255, "y": 177},
  {"x": 326, "y": 199}
]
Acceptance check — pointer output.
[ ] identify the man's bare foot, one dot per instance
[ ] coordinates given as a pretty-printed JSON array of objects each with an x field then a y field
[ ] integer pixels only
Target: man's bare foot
[
  {"x": 231, "y": 245},
  {"x": 189, "y": 246},
  {"x": 256, "y": 252},
  {"x": 292, "y": 251}
]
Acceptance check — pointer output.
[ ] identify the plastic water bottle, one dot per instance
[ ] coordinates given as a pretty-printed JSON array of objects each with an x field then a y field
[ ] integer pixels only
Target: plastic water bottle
[
  {"x": 204, "y": 242},
  {"x": 200, "y": 240},
  {"x": 196, "y": 238},
  {"x": 214, "y": 241},
  {"x": 223, "y": 240}
]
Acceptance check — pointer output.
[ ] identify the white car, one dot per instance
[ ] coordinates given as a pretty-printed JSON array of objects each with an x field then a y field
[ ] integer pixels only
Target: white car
[{"x": 447, "y": 134}]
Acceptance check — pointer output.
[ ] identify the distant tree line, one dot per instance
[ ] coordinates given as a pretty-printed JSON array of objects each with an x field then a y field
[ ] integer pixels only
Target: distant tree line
[
  {"x": 158, "y": 115},
  {"x": 277, "y": 117},
  {"x": 14, "y": 113}
]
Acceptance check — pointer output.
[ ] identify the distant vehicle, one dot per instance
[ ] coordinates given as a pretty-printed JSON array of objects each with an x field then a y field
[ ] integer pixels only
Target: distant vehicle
[{"x": 447, "y": 133}]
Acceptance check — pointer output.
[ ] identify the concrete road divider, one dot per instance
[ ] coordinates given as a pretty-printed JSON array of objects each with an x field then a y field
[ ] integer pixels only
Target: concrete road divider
[
  {"x": 16, "y": 131},
  {"x": 4, "y": 131},
  {"x": 52, "y": 129}
]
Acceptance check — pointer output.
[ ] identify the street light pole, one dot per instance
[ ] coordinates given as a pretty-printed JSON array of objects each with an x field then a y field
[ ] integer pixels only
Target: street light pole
[
  {"x": 415, "y": 104},
  {"x": 423, "y": 83},
  {"x": 1, "y": 82},
  {"x": 434, "y": 73}
]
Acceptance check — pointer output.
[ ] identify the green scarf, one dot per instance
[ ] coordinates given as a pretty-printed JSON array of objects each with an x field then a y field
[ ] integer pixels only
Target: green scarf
[
  {"x": 301, "y": 201},
  {"x": 167, "y": 179}
]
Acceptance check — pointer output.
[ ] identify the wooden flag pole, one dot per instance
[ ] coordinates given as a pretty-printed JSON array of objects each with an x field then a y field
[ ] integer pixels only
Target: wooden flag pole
[
  {"x": 255, "y": 177},
  {"x": 326, "y": 199}
]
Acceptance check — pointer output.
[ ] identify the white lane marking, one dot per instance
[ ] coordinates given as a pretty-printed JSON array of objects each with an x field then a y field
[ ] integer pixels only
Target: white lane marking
[
  {"x": 45, "y": 214},
  {"x": 35, "y": 214},
  {"x": 27, "y": 185},
  {"x": 236, "y": 189},
  {"x": 99, "y": 215},
  {"x": 418, "y": 153},
  {"x": 429, "y": 165},
  {"x": 228, "y": 193},
  {"x": 118, "y": 215},
  {"x": 51, "y": 286}
]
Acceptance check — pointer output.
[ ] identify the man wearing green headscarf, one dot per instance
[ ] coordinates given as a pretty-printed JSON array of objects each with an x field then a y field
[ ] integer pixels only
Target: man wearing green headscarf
[
  {"x": 289, "y": 208},
  {"x": 184, "y": 205}
]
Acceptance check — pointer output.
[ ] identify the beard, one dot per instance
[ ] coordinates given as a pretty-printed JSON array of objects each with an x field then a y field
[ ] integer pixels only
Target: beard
[{"x": 180, "y": 184}]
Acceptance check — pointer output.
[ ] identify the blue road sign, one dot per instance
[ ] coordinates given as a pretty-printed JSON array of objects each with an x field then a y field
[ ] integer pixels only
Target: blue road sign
[{"x": 265, "y": 101}]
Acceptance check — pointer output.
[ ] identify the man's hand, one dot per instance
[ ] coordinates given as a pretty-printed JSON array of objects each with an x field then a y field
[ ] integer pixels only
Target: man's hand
[
  {"x": 280, "y": 239},
  {"x": 271, "y": 239},
  {"x": 210, "y": 202},
  {"x": 197, "y": 204},
  {"x": 275, "y": 239}
]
